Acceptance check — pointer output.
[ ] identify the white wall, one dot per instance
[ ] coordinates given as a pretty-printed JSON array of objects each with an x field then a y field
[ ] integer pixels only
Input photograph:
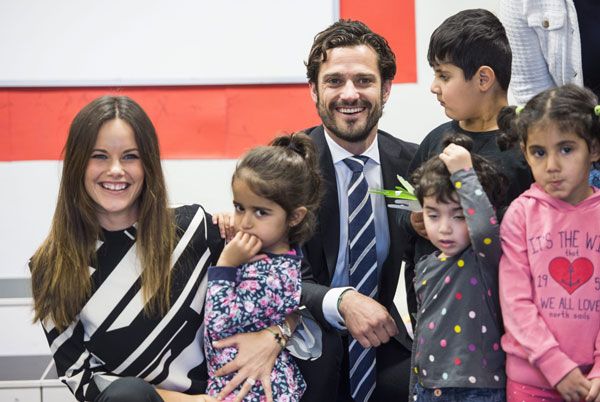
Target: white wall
[
  {"x": 112, "y": 48},
  {"x": 30, "y": 188}
]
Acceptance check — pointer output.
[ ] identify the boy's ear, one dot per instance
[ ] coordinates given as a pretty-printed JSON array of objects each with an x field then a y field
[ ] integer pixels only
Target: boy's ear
[
  {"x": 486, "y": 77},
  {"x": 297, "y": 216}
]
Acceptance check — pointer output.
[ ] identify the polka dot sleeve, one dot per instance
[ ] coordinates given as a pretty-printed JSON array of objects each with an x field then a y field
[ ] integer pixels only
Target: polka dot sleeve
[{"x": 480, "y": 216}]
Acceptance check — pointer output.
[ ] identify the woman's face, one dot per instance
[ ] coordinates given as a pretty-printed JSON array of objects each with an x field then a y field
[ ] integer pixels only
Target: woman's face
[{"x": 114, "y": 175}]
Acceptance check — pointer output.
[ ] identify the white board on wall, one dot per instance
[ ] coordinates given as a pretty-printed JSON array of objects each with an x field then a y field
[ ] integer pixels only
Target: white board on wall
[{"x": 158, "y": 42}]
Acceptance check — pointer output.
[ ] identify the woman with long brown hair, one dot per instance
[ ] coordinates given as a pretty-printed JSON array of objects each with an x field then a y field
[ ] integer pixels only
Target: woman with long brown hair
[{"x": 119, "y": 282}]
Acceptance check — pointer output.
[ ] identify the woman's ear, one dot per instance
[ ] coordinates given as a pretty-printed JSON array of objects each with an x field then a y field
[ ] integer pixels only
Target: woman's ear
[{"x": 297, "y": 216}]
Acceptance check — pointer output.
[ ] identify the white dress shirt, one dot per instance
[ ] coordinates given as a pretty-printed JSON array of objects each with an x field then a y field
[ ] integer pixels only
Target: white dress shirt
[{"x": 343, "y": 174}]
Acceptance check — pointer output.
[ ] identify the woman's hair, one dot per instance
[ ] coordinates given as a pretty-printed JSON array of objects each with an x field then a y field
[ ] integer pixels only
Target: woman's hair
[
  {"x": 432, "y": 178},
  {"x": 569, "y": 107},
  {"x": 60, "y": 273},
  {"x": 285, "y": 172}
]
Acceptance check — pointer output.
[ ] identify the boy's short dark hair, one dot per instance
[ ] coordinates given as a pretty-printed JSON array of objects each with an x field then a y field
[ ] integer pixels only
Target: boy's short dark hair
[{"x": 471, "y": 39}]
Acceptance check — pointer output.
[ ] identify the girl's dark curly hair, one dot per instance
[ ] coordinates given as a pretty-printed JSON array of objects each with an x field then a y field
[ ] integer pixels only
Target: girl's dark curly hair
[
  {"x": 570, "y": 107},
  {"x": 432, "y": 178},
  {"x": 287, "y": 173}
]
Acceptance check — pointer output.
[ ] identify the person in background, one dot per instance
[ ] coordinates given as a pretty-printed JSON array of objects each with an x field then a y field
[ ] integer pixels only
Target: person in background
[
  {"x": 550, "y": 267},
  {"x": 554, "y": 42}
]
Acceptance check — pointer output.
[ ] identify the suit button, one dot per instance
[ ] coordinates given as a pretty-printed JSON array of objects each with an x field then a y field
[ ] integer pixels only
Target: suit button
[{"x": 546, "y": 23}]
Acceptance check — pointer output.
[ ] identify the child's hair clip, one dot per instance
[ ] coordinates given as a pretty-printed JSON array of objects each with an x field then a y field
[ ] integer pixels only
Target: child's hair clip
[
  {"x": 597, "y": 110},
  {"x": 519, "y": 109}
]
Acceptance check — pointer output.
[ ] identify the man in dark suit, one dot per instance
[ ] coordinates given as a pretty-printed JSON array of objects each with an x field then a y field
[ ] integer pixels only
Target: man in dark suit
[{"x": 350, "y": 71}]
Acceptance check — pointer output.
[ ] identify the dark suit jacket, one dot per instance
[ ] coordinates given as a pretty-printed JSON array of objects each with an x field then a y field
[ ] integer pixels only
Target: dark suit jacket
[{"x": 321, "y": 250}]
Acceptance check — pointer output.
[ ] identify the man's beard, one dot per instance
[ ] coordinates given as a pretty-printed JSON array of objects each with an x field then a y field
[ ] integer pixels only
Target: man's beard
[{"x": 352, "y": 132}]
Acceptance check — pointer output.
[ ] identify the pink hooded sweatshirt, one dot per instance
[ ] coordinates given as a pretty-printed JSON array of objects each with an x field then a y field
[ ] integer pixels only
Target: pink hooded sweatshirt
[{"x": 550, "y": 287}]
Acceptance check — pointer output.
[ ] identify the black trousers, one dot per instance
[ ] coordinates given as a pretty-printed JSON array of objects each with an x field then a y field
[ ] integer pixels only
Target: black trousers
[
  {"x": 129, "y": 389},
  {"x": 328, "y": 377},
  {"x": 322, "y": 375}
]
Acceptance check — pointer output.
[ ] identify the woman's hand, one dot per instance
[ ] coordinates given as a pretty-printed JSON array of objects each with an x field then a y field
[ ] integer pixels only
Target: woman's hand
[
  {"x": 225, "y": 222},
  {"x": 257, "y": 352},
  {"x": 241, "y": 249}
]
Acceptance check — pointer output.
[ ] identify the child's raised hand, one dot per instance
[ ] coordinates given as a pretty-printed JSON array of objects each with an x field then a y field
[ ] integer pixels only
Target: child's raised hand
[
  {"x": 239, "y": 250},
  {"x": 225, "y": 222},
  {"x": 574, "y": 386},
  {"x": 456, "y": 158},
  {"x": 594, "y": 394}
]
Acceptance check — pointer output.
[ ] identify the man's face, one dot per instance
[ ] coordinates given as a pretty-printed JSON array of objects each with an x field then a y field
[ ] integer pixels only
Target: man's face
[{"x": 349, "y": 93}]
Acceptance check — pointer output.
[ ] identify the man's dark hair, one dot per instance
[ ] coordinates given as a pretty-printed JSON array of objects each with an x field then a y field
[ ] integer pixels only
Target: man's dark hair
[
  {"x": 348, "y": 33},
  {"x": 471, "y": 39}
]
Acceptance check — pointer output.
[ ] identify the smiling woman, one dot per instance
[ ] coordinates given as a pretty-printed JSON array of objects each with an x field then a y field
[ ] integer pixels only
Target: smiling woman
[
  {"x": 115, "y": 175},
  {"x": 119, "y": 283}
]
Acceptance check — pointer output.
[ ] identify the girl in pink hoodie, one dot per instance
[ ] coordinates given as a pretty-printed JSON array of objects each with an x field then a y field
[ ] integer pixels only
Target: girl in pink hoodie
[{"x": 550, "y": 270}]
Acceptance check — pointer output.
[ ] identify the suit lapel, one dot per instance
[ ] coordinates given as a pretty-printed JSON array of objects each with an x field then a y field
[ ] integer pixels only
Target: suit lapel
[
  {"x": 329, "y": 214},
  {"x": 389, "y": 170}
]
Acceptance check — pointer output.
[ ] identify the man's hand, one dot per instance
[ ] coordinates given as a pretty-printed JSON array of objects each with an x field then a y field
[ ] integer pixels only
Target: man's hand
[
  {"x": 367, "y": 321},
  {"x": 574, "y": 386},
  {"x": 257, "y": 352},
  {"x": 239, "y": 250},
  {"x": 416, "y": 220}
]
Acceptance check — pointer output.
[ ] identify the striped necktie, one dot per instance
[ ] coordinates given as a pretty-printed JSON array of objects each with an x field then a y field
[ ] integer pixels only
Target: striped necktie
[{"x": 363, "y": 272}]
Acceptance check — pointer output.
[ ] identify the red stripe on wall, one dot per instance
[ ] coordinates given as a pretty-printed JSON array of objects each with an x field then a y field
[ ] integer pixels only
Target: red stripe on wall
[
  {"x": 197, "y": 121},
  {"x": 395, "y": 21},
  {"x": 192, "y": 122}
]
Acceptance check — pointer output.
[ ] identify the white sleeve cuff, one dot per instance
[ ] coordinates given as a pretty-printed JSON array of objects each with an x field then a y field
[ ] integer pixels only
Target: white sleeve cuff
[
  {"x": 306, "y": 340},
  {"x": 330, "y": 310}
]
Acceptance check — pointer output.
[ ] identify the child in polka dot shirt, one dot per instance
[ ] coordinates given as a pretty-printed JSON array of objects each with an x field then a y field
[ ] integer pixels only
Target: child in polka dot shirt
[{"x": 456, "y": 353}]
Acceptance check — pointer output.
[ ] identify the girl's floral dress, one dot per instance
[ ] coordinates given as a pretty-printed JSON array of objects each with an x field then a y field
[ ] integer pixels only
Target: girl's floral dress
[{"x": 250, "y": 298}]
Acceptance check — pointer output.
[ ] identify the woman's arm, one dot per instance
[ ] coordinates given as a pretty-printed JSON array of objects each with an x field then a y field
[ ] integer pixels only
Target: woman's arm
[{"x": 75, "y": 365}]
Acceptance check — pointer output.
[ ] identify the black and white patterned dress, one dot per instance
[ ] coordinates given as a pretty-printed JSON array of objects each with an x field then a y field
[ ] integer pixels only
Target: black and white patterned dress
[{"x": 113, "y": 338}]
